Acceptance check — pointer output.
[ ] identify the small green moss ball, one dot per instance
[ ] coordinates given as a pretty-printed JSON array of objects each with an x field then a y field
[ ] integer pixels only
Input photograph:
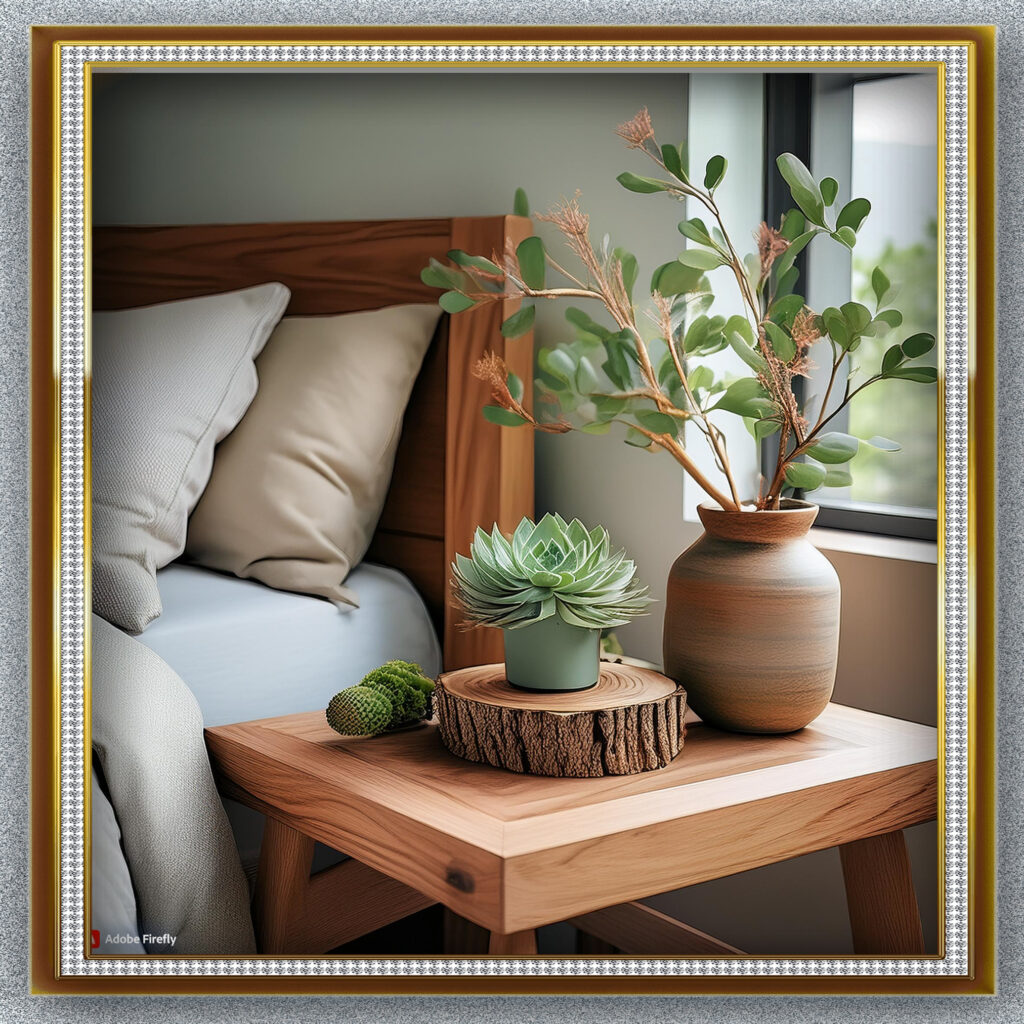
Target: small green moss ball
[
  {"x": 359, "y": 711},
  {"x": 408, "y": 702},
  {"x": 395, "y": 694},
  {"x": 409, "y": 677},
  {"x": 410, "y": 673}
]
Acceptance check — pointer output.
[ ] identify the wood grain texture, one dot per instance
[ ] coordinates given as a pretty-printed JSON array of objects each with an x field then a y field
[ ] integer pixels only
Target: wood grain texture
[
  {"x": 353, "y": 813},
  {"x": 631, "y": 721},
  {"x": 511, "y": 852},
  {"x": 489, "y": 469},
  {"x": 639, "y": 930},
  {"x": 591, "y": 945},
  {"x": 329, "y": 266},
  {"x": 752, "y": 621},
  {"x": 618, "y": 686},
  {"x": 463, "y": 937},
  {"x": 453, "y": 469},
  {"x": 522, "y": 943},
  {"x": 884, "y": 916},
  {"x": 578, "y": 877},
  {"x": 415, "y": 501},
  {"x": 294, "y": 912},
  {"x": 347, "y": 901},
  {"x": 281, "y": 882}
]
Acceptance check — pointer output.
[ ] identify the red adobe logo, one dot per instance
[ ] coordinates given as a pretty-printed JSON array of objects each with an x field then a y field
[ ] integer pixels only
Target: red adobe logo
[{"x": 95, "y": 939}]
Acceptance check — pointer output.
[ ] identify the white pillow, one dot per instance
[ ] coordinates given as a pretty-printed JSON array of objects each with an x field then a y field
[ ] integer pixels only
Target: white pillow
[{"x": 168, "y": 382}]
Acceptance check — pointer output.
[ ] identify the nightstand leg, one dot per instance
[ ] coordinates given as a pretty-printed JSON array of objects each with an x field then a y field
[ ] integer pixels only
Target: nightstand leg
[
  {"x": 591, "y": 945},
  {"x": 513, "y": 944},
  {"x": 281, "y": 883},
  {"x": 884, "y": 915},
  {"x": 463, "y": 936}
]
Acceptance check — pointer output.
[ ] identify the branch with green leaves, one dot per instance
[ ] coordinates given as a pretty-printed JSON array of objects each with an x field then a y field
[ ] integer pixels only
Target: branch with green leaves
[{"x": 653, "y": 381}]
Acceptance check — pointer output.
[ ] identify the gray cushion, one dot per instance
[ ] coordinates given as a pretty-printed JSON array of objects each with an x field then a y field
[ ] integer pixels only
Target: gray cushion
[
  {"x": 113, "y": 914},
  {"x": 169, "y": 381}
]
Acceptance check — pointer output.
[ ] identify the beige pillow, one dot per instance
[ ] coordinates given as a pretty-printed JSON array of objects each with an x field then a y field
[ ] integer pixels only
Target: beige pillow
[{"x": 298, "y": 487}]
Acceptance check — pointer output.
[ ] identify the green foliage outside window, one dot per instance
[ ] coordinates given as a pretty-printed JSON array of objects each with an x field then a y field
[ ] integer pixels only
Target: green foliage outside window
[{"x": 910, "y": 412}]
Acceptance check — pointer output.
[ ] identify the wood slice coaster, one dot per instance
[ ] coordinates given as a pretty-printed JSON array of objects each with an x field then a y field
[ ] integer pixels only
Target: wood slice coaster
[{"x": 630, "y": 722}]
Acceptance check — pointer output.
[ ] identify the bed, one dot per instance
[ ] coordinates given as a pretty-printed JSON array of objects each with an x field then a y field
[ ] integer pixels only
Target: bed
[
  {"x": 246, "y": 650},
  {"x": 453, "y": 469}
]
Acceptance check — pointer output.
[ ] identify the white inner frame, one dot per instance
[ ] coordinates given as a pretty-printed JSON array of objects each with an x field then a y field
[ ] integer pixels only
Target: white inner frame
[{"x": 72, "y": 321}]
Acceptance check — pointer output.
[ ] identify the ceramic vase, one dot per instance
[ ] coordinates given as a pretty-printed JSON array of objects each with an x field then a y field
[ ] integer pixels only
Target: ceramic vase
[{"x": 752, "y": 620}]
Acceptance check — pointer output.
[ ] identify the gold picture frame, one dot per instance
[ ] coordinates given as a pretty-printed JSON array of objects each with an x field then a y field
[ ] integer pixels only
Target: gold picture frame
[{"x": 55, "y": 749}]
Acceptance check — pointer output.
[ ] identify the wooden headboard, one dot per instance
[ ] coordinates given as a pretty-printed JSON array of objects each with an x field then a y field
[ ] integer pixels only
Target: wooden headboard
[{"x": 453, "y": 470}]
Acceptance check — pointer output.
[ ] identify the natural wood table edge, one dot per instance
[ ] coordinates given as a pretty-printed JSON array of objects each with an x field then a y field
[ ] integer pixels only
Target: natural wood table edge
[{"x": 865, "y": 776}]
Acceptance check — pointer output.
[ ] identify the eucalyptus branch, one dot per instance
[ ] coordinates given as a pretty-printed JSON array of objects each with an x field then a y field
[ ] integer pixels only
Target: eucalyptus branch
[
  {"x": 839, "y": 408},
  {"x": 739, "y": 271},
  {"x": 648, "y": 369},
  {"x": 810, "y": 439},
  {"x": 723, "y": 463},
  {"x": 707, "y": 200},
  {"x": 609, "y": 286},
  {"x": 779, "y": 346},
  {"x": 836, "y": 363},
  {"x": 648, "y": 393},
  {"x": 676, "y": 450},
  {"x": 713, "y": 436},
  {"x": 559, "y": 293}
]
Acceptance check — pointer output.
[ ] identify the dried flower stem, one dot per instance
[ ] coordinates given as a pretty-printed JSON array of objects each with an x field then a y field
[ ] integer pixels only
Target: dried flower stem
[
  {"x": 493, "y": 370},
  {"x": 609, "y": 286},
  {"x": 610, "y": 289}
]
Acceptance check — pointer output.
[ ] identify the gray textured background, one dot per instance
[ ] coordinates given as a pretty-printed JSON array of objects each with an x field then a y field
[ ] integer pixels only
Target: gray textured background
[{"x": 15, "y": 1004}]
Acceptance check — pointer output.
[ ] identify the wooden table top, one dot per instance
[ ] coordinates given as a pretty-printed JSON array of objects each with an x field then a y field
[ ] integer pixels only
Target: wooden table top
[{"x": 512, "y": 851}]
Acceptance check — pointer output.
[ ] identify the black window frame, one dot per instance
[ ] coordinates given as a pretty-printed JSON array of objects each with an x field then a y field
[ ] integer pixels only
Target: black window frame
[{"x": 788, "y": 127}]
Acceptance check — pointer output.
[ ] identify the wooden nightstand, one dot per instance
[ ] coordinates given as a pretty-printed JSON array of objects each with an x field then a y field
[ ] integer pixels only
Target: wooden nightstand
[{"x": 513, "y": 852}]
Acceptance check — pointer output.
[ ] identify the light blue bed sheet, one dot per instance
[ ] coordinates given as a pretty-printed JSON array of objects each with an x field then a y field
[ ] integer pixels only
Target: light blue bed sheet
[{"x": 247, "y": 651}]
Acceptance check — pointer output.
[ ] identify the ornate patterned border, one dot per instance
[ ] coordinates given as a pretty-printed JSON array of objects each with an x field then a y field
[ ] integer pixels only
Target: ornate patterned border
[{"x": 73, "y": 295}]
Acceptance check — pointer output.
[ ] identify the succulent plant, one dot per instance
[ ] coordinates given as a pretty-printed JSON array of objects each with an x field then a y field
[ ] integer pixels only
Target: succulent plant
[
  {"x": 395, "y": 694},
  {"x": 359, "y": 711},
  {"x": 553, "y": 567}
]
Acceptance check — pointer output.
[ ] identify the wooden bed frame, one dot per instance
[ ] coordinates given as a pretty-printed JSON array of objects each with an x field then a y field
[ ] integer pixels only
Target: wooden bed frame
[{"x": 454, "y": 470}]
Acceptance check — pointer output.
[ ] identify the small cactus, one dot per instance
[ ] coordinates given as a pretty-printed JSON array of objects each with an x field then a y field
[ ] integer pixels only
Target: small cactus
[
  {"x": 395, "y": 694},
  {"x": 359, "y": 711}
]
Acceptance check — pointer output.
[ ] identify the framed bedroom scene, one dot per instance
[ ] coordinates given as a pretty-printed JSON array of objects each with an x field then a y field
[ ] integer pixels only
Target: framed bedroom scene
[{"x": 352, "y": 608}]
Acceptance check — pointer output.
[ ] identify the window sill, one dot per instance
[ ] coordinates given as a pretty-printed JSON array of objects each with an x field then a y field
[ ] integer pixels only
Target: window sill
[{"x": 876, "y": 545}]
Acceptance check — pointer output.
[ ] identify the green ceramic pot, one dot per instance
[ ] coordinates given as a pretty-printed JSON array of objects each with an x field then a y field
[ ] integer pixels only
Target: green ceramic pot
[{"x": 551, "y": 655}]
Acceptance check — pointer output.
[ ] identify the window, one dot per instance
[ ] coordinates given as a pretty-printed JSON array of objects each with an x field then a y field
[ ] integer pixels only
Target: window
[{"x": 877, "y": 135}]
